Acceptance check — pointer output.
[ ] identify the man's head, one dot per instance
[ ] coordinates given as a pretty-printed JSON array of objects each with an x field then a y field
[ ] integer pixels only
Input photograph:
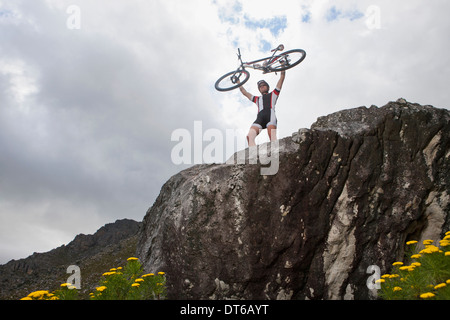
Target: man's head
[{"x": 263, "y": 86}]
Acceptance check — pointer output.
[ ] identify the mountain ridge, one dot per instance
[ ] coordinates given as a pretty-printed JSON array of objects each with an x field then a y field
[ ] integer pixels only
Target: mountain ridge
[{"x": 93, "y": 253}]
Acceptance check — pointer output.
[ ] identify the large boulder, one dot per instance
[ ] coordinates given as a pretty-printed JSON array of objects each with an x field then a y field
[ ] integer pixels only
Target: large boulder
[{"x": 348, "y": 194}]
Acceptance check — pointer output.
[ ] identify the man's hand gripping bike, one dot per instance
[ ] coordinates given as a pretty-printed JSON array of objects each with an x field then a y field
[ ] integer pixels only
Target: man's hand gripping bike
[{"x": 277, "y": 62}]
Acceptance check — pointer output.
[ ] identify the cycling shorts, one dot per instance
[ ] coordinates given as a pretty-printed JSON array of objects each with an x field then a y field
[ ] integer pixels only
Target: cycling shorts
[{"x": 265, "y": 118}]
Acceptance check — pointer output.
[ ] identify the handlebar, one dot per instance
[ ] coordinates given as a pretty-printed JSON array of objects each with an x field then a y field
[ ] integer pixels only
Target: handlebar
[{"x": 239, "y": 55}]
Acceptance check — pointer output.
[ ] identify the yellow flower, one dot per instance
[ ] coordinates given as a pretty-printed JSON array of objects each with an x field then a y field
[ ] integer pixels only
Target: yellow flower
[
  {"x": 448, "y": 281},
  {"x": 26, "y": 298},
  {"x": 386, "y": 276},
  {"x": 380, "y": 281},
  {"x": 397, "y": 289},
  {"x": 113, "y": 269},
  {"x": 135, "y": 284},
  {"x": 447, "y": 233},
  {"x": 132, "y": 259},
  {"x": 409, "y": 268},
  {"x": 38, "y": 294},
  {"x": 427, "y": 242},
  {"x": 65, "y": 284},
  {"x": 427, "y": 295},
  {"x": 101, "y": 288},
  {"x": 393, "y": 276},
  {"x": 397, "y": 264},
  {"x": 119, "y": 268},
  {"x": 415, "y": 256},
  {"x": 441, "y": 285},
  {"x": 416, "y": 264},
  {"x": 444, "y": 243},
  {"x": 161, "y": 273},
  {"x": 139, "y": 280},
  {"x": 411, "y": 242},
  {"x": 148, "y": 275},
  {"x": 447, "y": 253},
  {"x": 446, "y": 237},
  {"x": 430, "y": 249}
]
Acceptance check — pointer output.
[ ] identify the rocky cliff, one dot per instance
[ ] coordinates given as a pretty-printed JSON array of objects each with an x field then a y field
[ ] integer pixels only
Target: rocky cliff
[
  {"x": 348, "y": 194},
  {"x": 112, "y": 244}
]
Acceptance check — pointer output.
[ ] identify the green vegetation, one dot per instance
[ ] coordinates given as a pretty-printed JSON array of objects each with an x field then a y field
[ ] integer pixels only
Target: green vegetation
[
  {"x": 427, "y": 276},
  {"x": 121, "y": 283}
]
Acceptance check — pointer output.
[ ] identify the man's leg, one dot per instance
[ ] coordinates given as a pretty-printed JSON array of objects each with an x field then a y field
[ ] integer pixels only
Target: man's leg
[
  {"x": 252, "y": 134},
  {"x": 272, "y": 131}
]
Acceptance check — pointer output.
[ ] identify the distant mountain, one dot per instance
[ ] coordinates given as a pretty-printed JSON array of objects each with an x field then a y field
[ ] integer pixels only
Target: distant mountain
[{"x": 109, "y": 247}]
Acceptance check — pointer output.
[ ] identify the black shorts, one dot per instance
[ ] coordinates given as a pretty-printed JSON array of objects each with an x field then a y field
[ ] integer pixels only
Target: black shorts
[{"x": 265, "y": 118}]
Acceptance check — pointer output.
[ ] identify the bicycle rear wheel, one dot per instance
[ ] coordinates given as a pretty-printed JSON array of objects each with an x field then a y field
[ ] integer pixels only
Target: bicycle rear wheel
[
  {"x": 287, "y": 60},
  {"x": 227, "y": 81}
]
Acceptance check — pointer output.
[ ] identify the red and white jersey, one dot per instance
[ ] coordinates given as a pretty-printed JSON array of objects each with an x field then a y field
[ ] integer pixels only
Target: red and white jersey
[{"x": 267, "y": 101}]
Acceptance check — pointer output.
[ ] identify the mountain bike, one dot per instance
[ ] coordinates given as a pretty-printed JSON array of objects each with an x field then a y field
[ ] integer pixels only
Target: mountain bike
[{"x": 277, "y": 62}]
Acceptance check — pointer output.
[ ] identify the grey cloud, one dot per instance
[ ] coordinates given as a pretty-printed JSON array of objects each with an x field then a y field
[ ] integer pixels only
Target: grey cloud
[
  {"x": 95, "y": 138},
  {"x": 86, "y": 115}
]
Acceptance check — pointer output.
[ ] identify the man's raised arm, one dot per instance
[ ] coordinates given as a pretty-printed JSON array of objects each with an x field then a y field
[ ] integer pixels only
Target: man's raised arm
[
  {"x": 281, "y": 81},
  {"x": 246, "y": 93}
]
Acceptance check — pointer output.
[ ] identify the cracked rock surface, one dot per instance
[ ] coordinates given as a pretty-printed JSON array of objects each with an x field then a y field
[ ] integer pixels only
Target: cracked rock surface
[{"x": 348, "y": 194}]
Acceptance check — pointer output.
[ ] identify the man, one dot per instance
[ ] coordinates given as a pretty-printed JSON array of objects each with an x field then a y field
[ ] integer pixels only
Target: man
[{"x": 266, "y": 110}]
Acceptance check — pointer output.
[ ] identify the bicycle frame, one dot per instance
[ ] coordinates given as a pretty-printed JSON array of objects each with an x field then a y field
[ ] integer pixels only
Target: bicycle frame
[{"x": 269, "y": 61}]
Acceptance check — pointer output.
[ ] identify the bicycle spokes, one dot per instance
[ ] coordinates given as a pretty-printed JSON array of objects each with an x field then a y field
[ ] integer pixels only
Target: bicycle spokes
[
  {"x": 284, "y": 60},
  {"x": 287, "y": 60}
]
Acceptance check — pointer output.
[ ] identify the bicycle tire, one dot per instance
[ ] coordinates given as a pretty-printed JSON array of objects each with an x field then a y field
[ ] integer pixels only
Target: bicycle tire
[
  {"x": 290, "y": 65},
  {"x": 223, "y": 83}
]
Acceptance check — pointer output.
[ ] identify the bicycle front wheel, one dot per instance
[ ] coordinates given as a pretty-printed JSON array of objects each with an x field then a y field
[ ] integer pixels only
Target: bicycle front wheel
[
  {"x": 287, "y": 60},
  {"x": 228, "y": 81}
]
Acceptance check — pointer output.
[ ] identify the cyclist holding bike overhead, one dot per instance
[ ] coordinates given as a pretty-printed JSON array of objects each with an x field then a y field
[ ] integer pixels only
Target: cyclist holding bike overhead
[{"x": 266, "y": 110}]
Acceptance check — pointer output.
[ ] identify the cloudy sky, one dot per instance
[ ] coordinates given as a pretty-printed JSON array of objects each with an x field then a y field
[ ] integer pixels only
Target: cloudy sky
[{"x": 92, "y": 90}]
